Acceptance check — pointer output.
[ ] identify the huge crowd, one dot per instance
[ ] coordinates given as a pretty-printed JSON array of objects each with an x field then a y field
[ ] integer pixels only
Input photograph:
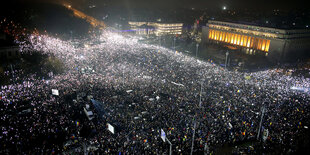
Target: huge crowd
[{"x": 145, "y": 88}]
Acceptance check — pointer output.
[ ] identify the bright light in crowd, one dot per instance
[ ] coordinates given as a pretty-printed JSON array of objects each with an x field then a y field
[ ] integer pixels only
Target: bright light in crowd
[{"x": 224, "y": 7}]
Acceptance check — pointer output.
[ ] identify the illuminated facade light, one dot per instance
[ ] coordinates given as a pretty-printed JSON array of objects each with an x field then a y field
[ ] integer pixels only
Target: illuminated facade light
[{"x": 240, "y": 40}]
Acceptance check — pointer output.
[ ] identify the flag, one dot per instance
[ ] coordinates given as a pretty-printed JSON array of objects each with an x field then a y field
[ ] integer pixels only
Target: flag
[
  {"x": 145, "y": 140},
  {"x": 243, "y": 133},
  {"x": 77, "y": 123},
  {"x": 163, "y": 135}
]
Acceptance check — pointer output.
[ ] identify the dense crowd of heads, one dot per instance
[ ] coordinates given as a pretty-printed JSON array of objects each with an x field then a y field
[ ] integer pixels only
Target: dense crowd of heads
[{"x": 170, "y": 91}]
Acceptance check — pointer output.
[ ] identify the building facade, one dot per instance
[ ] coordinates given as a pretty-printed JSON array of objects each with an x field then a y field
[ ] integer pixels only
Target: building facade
[
  {"x": 156, "y": 28},
  {"x": 274, "y": 43},
  {"x": 10, "y": 52}
]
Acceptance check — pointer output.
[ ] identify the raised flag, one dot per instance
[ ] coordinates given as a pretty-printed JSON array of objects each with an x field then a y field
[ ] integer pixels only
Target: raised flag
[{"x": 163, "y": 135}]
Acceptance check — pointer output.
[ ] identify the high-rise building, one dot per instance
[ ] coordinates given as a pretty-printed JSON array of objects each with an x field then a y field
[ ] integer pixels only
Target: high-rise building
[{"x": 274, "y": 43}]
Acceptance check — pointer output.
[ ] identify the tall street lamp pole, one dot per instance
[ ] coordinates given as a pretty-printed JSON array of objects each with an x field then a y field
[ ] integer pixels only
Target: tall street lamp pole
[
  {"x": 261, "y": 121},
  {"x": 174, "y": 43},
  {"x": 193, "y": 138},
  {"x": 197, "y": 45},
  {"x": 226, "y": 59}
]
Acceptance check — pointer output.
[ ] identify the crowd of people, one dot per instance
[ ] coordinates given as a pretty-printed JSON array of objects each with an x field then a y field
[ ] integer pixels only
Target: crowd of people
[{"x": 144, "y": 88}]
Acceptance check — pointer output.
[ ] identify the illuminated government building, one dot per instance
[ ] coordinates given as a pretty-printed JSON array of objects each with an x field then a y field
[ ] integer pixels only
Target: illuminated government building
[
  {"x": 271, "y": 42},
  {"x": 156, "y": 28}
]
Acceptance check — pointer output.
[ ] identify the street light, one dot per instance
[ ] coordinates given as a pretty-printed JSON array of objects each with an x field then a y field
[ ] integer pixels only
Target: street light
[
  {"x": 197, "y": 45},
  {"x": 195, "y": 123},
  {"x": 174, "y": 43},
  {"x": 226, "y": 59},
  {"x": 193, "y": 138},
  {"x": 123, "y": 77},
  {"x": 261, "y": 121},
  {"x": 200, "y": 94}
]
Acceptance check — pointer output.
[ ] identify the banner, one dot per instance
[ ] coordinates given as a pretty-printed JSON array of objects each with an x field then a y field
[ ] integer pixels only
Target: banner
[
  {"x": 265, "y": 134},
  {"x": 163, "y": 135},
  {"x": 89, "y": 114},
  {"x": 178, "y": 84},
  {"x": 110, "y": 128},
  {"x": 55, "y": 92}
]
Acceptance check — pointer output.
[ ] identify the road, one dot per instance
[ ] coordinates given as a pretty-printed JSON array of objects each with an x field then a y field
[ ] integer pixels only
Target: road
[{"x": 94, "y": 22}]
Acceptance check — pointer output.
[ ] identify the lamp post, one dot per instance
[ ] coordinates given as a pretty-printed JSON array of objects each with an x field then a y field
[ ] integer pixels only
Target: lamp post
[
  {"x": 195, "y": 123},
  {"x": 261, "y": 121},
  {"x": 193, "y": 138},
  {"x": 226, "y": 59},
  {"x": 123, "y": 76},
  {"x": 200, "y": 94},
  {"x": 197, "y": 45},
  {"x": 174, "y": 43}
]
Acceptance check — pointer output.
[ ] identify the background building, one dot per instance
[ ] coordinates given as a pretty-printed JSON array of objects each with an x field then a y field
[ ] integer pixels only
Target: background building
[
  {"x": 156, "y": 28},
  {"x": 279, "y": 44},
  {"x": 10, "y": 52}
]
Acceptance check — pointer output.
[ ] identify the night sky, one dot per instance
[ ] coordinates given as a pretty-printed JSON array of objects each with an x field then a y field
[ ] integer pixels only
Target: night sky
[{"x": 210, "y": 4}]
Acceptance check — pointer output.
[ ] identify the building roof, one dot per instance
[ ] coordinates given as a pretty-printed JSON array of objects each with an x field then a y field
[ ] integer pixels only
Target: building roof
[{"x": 269, "y": 24}]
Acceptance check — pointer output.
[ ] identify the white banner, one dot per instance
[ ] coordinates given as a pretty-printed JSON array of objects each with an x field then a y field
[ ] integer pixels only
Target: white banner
[
  {"x": 163, "y": 135},
  {"x": 128, "y": 91},
  {"x": 110, "y": 128},
  {"x": 55, "y": 92},
  {"x": 178, "y": 84}
]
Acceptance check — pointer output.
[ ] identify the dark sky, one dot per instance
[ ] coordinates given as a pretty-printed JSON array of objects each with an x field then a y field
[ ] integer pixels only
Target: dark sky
[
  {"x": 236, "y": 4},
  {"x": 216, "y": 4}
]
